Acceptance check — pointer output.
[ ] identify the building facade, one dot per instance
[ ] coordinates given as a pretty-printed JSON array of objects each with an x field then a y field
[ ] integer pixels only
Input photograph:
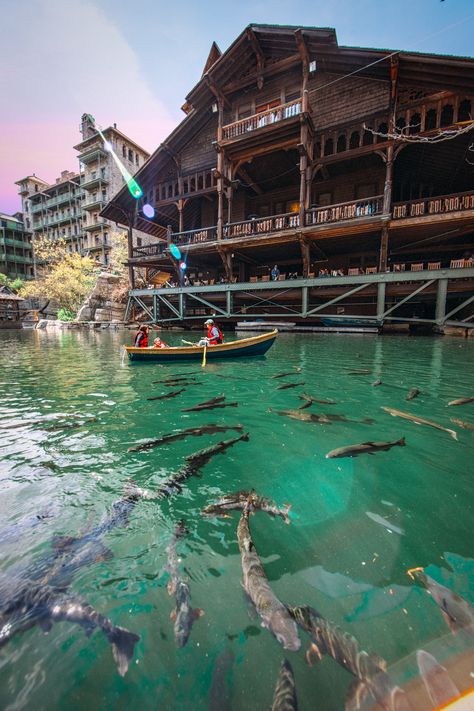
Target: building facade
[
  {"x": 320, "y": 158},
  {"x": 16, "y": 255}
]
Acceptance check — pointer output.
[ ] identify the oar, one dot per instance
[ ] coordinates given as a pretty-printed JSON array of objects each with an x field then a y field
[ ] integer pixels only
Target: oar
[
  {"x": 203, "y": 364},
  {"x": 188, "y": 343}
]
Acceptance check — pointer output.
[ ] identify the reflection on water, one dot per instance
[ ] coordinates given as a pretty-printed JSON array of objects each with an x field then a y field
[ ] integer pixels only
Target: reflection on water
[{"x": 68, "y": 414}]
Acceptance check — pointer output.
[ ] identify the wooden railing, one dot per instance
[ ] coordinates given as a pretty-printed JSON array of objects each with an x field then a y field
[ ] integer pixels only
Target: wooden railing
[
  {"x": 260, "y": 120},
  {"x": 261, "y": 225},
  {"x": 344, "y": 211},
  {"x": 434, "y": 205},
  {"x": 155, "y": 249},
  {"x": 203, "y": 234},
  {"x": 188, "y": 184}
]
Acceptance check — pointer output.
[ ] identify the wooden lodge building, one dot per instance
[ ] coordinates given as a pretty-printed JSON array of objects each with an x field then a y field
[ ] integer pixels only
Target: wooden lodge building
[{"x": 350, "y": 168}]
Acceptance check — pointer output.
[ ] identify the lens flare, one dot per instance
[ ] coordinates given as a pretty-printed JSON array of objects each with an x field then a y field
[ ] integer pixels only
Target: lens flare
[
  {"x": 175, "y": 251},
  {"x": 148, "y": 211},
  {"x": 132, "y": 185},
  {"x": 182, "y": 266}
]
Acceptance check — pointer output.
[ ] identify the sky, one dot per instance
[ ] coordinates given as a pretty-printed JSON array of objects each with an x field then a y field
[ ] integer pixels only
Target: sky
[{"x": 133, "y": 63}]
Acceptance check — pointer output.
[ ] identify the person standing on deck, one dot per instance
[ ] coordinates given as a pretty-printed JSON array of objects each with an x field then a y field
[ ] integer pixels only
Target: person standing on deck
[
  {"x": 275, "y": 273},
  {"x": 141, "y": 337}
]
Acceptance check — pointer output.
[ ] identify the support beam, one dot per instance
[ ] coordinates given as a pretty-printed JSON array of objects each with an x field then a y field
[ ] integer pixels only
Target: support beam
[
  {"x": 380, "y": 299},
  {"x": 182, "y": 305},
  {"x": 407, "y": 298},
  {"x": 229, "y": 302},
  {"x": 383, "y": 254},
  {"x": 304, "y": 301},
  {"x": 143, "y": 306},
  {"x": 305, "y": 256},
  {"x": 227, "y": 262},
  {"x": 168, "y": 304},
  {"x": 213, "y": 307},
  {"x": 258, "y": 54},
  {"x": 249, "y": 180},
  {"x": 337, "y": 298},
  {"x": 441, "y": 301},
  {"x": 458, "y": 308}
]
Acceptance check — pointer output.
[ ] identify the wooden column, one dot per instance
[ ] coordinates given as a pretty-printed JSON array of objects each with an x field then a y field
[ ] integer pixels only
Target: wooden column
[
  {"x": 305, "y": 256},
  {"x": 180, "y": 206},
  {"x": 383, "y": 254},
  {"x": 131, "y": 273},
  {"x": 220, "y": 168},
  {"x": 227, "y": 262}
]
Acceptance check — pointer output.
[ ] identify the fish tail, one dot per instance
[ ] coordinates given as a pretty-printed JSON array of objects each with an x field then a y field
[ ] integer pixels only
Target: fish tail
[
  {"x": 453, "y": 434},
  {"x": 402, "y": 442},
  {"x": 245, "y": 437},
  {"x": 123, "y": 644}
]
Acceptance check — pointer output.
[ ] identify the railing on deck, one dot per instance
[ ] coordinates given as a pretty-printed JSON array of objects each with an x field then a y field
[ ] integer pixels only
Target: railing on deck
[
  {"x": 203, "y": 234},
  {"x": 434, "y": 205},
  {"x": 261, "y": 225},
  {"x": 345, "y": 211},
  {"x": 262, "y": 119},
  {"x": 150, "y": 250}
]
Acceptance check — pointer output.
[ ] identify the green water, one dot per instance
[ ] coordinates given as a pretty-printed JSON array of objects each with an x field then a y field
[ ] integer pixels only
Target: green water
[{"x": 347, "y": 564}]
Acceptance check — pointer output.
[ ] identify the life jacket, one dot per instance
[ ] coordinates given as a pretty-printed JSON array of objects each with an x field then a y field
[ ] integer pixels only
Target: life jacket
[
  {"x": 213, "y": 339},
  {"x": 141, "y": 340}
]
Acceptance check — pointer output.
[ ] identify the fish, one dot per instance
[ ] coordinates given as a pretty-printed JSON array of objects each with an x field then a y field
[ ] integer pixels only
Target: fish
[
  {"x": 370, "y": 670},
  {"x": 461, "y": 423},
  {"x": 167, "y": 381},
  {"x": 414, "y": 392},
  {"x": 220, "y": 692},
  {"x": 376, "y": 383},
  {"x": 385, "y": 522},
  {"x": 311, "y": 399},
  {"x": 14, "y": 531},
  {"x": 213, "y": 401},
  {"x": 183, "y": 615},
  {"x": 272, "y": 612},
  {"x": 457, "y": 612},
  {"x": 168, "y": 395},
  {"x": 38, "y": 594},
  {"x": 181, "y": 434},
  {"x": 461, "y": 401},
  {"x": 218, "y": 405},
  {"x": 238, "y": 501},
  {"x": 419, "y": 421},
  {"x": 284, "y": 375},
  {"x": 353, "y": 450},
  {"x": 70, "y": 425},
  {"x": 287, "y": 386},
  {"x": 305, "y": 405},
  {"x": 438, "y": 684},
  {"x": 173, "y": 384},
  {"x": 284, "y": 698},
  {"x": 193, "y": 463},
  {"x": 305, "y": 416}
]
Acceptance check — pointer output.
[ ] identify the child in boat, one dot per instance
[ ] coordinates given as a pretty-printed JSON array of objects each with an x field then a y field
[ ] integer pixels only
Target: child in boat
[{"x": 158, "y": 343}]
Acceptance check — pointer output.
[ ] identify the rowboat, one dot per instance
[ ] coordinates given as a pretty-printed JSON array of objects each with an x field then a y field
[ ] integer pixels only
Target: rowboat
[{"x": 244, "y": 347}]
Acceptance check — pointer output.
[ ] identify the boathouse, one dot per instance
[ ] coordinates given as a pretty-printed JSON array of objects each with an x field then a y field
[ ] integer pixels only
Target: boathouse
[{"x": 350, "y": 168}]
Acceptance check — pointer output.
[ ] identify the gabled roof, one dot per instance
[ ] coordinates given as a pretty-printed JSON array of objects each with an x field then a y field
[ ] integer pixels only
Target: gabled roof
[
  {"x": 212, "y": 58},
  {"x": 6, "y": 294}
]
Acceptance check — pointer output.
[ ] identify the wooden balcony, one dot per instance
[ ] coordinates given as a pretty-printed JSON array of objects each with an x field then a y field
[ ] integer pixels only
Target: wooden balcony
[
  {"x": 261, "y": 225},
  {"x": 368, "y": 207},
  {"x": 283, "y": 113},
  {"x": 440, "y": 205}
]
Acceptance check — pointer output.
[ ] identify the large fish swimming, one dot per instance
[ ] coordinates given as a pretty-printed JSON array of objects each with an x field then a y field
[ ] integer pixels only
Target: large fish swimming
[
  {"x": 174, "y": 393},
  {"x": 238, "y": 501},
  {"x": 457, "y": 612},
  {"x": 370, "y": 670},
  {"x": 353, "y": 450},
  {"x": 216, "y": 406},
  {"x": 419, "y": 420},
  {"x": 461, "y": 423},
  {"x": 181, "y": 434},
  {"x": 284, "y": 375},
  {"x": 38, "y": 595},
  {"x": 461, "y": 401},
  {"x": 272, "y": 612},
  {"x": 183, "y": 615},
  {"x": 414, "y": 392},
  {"x": 311, "y": 399},
  {"x": 287, "y": 386},
  {"x": 284, "y": 698}
]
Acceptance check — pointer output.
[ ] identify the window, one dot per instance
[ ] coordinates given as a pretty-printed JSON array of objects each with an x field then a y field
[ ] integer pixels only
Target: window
[
  {"x": 36, "y": 188},
  {"x": 244, "y": 111},
  {"x": 139, "y": 241},
  {"x": 102, "y": 172},
  {"x": 447, "y": 115},
  {"x": 106, "y": 237},
  {"x": 324, "y": 199},
  {"x": 130, "y": 155},
  {"x": 341, "y": 143},
  {"x": 137, "y": 159},
  {"x": 93, "y": 175},
  {"x": 464, "y": 113},
  {"x": 430, "y": 120},
  {"x": 124, "y": 151},
  {"x": 354, "y": 140}
]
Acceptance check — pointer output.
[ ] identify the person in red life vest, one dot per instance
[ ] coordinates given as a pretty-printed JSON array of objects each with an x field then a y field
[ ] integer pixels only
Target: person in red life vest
[
  {"x": 158, "y": 343},
  {"x": 141, "y": 337},
  {"x": 214, "y": 334}
]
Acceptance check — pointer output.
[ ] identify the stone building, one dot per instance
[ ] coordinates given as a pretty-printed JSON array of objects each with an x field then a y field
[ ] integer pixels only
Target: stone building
[
  {"x": 16, "y": 259},
  {"x": 101, "y": 179}
]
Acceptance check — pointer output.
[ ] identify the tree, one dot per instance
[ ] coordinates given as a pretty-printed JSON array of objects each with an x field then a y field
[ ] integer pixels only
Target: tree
[
  {"x": 66, "y": 277},
  {"x": 119, "y": 253},
  {"x": 13, "y": 284}
]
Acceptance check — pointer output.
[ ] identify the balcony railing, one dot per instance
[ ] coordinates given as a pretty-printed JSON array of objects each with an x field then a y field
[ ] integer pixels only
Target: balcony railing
[
  {"x": 344, "y": 211},
  {"x": 204, "y": 234},
  {"x": 262, "y": 225},
  {"x": 150, "y": 250},
  {"x": 262, "y": 119},
  {"x": 434, "y": 205}
]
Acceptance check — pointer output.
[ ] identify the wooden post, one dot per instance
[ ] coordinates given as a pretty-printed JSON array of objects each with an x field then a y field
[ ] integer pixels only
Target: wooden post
[
  {"x": 180, "y": 214},
  {"x": 387, "y": 192},
  {"x": 220, "y": 168},
  {"x": 306, "y": 256},
  {"x": 131, "y": 274},
  {"x": 383, "y": 254}
]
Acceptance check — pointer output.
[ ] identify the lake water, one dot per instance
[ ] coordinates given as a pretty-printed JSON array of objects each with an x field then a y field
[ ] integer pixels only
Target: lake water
[{"x": 357, "y": 524}]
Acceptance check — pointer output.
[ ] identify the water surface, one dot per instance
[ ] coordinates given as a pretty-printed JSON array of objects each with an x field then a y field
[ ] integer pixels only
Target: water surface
[{"x": 357, "y": 524}]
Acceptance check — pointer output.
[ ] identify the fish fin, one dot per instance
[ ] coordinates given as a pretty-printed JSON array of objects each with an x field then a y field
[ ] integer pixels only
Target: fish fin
[
  {"x": 45, "y": 624},
  {"x": 198, "y": 612},
  {"x": 62, "y": 543},
  {"x": 370, "y": 444},
  {"x": 356, "y": 694},
  {"x": 245, "y": 436},
  {"x": 313, "y": 651},
  {"x": 173, "y": 615},
  {"x": 453, "y": 434},
  {"x": 123, "y": 645},
  {"x": 402, "y": 442}
]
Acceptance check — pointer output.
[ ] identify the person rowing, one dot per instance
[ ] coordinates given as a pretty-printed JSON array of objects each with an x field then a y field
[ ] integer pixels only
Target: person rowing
[
  {"x": 141, "y": 337},
  {"x": 214, "y": 334}
]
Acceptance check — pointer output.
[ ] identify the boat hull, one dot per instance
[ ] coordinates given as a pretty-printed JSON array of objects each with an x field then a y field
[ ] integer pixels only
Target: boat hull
[{"x": 243, "y": 348}]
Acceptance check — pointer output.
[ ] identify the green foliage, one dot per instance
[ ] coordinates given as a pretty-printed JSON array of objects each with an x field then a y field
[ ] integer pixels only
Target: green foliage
[
  {"x": 14, "y": 284},
  {"x": 66, "y": 315}
]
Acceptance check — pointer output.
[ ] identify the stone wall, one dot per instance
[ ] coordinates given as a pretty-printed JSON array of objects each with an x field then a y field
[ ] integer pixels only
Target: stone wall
[{"x": 100, "y": 306}]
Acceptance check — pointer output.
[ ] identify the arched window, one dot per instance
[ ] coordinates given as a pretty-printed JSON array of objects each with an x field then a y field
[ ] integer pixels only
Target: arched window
[
  {"x": 464, "y": 113},
  {"x": 415, "y": 124},
  {"x": 341, "y": 143},
  {"x": 367, "y": 138},
  {"x": 383, "y": 128},
  {"x": 317, "y": 149},
  {"x": 430, "y": 121},
  {"x": 354, "y": 140},
  {"x": 401, "y": 123},
  {"x": 329, "y": 147},
  {"x": 447, "y": 115}
]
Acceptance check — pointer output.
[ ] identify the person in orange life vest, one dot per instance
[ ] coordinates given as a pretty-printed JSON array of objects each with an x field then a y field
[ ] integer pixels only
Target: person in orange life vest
[
  {"x": 141, "y": 337},
  {"x": 158, "y": 343},
  {"x": 214, "y": 334}
]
